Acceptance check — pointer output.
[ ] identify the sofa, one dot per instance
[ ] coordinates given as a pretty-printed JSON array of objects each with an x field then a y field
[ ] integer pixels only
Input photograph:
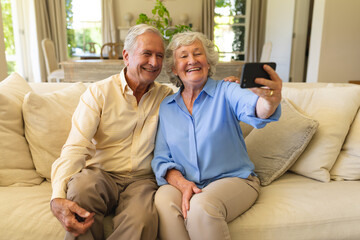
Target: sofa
[{"x": 308, "y": 162}]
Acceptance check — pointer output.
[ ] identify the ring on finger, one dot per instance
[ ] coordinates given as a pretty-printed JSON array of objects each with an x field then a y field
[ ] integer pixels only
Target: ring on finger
[{"x": 271, "y": 93}]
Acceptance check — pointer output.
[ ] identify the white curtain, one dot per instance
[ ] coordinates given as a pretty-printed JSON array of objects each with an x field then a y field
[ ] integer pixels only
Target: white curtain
[
  {"x": 108, "y": 28},
  {"x": 51, "y": 23},
  {"x": 25, "y": 39},
  {"x": 208, "y": 14},
  {"x": 257, "y": 26}
]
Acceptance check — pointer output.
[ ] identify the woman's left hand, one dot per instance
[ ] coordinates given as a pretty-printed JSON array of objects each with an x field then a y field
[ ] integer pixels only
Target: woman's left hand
[
  {"x": 187, "y": 188},
  {"x": 269, "y": 95}
]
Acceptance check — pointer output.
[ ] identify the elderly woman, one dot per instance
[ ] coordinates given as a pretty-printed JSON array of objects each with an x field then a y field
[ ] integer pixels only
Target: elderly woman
[{"x": 200, "y": 159}]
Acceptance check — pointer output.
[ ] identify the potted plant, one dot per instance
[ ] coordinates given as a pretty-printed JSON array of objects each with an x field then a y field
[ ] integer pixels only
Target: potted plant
[{"x": 161, "y": 20}]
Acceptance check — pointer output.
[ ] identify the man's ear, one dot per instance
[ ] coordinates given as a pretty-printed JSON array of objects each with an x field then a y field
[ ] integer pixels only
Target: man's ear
[{"x": 125, "y": 57}]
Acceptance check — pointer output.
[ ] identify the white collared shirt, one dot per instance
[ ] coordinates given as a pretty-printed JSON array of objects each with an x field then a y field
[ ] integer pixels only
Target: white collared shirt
[{"x": 110, "y": 131}]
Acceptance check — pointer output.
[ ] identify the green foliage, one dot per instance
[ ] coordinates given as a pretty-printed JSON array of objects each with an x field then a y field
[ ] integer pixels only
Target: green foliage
[
  {"x": 8, "y": 34},
  {"x": 161, "y": 20},
  {"x": 170, "y": 32},
  {"x": 71, "y": 43},
  {"x": 238, "y": 43},
  {"x": 77, "y": 38},
  {"x": 239, "y": 31},
  {"x": 240, "y": 6},
  {"x": 8, "y": 27},
  {"x": 87, "y": 35},
  {"x": 236, "y": 7},
  {"x": 222, "y": 3},
  {"x": 231, "y": 13},
  {"x": 11, "y": 67}
]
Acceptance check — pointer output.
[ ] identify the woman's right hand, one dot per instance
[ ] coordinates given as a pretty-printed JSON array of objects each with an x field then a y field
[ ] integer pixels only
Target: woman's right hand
[{"x": 187, "y": 188}]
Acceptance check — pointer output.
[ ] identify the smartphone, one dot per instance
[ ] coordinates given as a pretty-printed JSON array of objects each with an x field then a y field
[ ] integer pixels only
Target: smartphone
[{"x": 250, "y": 71}]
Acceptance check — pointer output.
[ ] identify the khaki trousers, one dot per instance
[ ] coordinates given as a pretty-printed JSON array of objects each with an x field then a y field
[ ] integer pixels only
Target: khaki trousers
[
  {"x": 131, "y": 199},
  {"x": 219, "y": 203}
]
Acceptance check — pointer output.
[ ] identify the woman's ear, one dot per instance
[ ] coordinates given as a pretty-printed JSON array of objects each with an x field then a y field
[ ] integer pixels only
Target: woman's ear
[{"x": 174, "y": 71}]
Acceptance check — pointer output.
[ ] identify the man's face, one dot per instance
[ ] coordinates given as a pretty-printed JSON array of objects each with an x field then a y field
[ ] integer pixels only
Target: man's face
[{"x": 144, "y": 61}]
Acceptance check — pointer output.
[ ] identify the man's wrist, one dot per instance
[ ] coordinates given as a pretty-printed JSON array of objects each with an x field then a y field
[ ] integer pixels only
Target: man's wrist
[{"x": 51, "y": 202}]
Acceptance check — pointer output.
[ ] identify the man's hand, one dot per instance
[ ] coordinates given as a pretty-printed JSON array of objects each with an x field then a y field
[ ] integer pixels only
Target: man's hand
[
  {"x": 232, "y": 79},
  {"x": 65, "y": 211},
  {"x": 187, "y": 188}
]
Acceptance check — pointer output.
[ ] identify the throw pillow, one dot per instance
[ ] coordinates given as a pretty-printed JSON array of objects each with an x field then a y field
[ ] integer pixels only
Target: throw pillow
[
  {"x": 16, "y": 165},
  {"x": 47, "y": 120},
  {"x": 347, "y": 165},
  {"x": 334, "y": 107},
  {"x": 275, "y": 148},
  {"x": 245, "y": 128}
]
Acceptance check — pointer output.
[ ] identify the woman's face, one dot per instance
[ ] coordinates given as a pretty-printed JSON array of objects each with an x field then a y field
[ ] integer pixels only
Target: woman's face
[{"x": 191, "y": 64}]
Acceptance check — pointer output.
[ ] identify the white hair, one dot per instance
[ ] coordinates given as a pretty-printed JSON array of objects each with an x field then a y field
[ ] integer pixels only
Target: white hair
[
  {"x": 185, "y": 39},
  {"x": 137, "y": 30}
]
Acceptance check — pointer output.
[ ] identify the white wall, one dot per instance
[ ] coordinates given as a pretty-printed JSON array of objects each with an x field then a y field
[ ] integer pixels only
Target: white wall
[
  {"x": 298, "y": 51},
  {"x": 335, "y": 42},
  {"x": 175, "y": 7},
  {"x": 3, "y": 67},
  {"x": 279, "y": 28}
]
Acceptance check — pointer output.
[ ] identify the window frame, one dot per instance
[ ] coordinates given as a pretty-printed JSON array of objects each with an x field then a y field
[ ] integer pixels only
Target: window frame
[{"x": 246, "y": 17}]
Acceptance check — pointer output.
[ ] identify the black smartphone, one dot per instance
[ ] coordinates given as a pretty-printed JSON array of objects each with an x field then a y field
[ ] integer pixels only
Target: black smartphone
[{"x": 250, "y": 71}]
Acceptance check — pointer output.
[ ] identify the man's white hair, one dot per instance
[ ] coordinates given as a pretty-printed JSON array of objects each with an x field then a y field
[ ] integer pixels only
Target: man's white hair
[{"x": 135, "y": 31}]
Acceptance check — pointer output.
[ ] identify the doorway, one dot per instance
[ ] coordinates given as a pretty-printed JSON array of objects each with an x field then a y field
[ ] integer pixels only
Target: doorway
[{"x": 301, "y": 40}]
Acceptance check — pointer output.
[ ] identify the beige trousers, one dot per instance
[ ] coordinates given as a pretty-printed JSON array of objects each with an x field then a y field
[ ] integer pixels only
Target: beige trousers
[
  {"x": 219, "y": 203},
  {"x": 131, "y": 199}
]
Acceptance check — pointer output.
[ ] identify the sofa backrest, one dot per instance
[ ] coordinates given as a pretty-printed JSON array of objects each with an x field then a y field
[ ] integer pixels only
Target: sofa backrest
[
  {"x": 45, "y": 87},
  {"x": 334, "y": 106}
]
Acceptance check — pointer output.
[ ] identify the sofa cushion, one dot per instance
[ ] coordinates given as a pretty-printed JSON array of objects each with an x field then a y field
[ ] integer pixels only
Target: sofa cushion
[
  {"x": 334, "y": 107},
  {"x": 47, "y": 120},
  {"x": 246, "y": 129},
  {"x": 47, "y": 87},
  {"x": 297, "y": 208},
  {"x": 276, "y": 147},
  {"x": 347, "y": 165},
  {"x": 27, "y": 214},
  {"x": 16, "y": 165}
]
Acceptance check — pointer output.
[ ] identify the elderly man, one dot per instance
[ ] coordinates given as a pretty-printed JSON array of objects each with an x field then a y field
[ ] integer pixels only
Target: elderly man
[{"x": 104, "y": 166}]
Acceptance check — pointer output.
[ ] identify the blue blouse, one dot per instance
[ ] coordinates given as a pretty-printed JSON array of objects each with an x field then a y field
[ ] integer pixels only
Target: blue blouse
[{"x": 207, "y": 145}]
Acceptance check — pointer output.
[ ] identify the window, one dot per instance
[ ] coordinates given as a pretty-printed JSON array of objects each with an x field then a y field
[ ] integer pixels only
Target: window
[
  {"x": 8, "y": 35},
  {"x": 83, "y": 26},
  {"x": 231, "y": 27}
]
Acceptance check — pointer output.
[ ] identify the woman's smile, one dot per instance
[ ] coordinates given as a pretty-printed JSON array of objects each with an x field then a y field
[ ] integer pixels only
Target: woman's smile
[
  {"x": 191, "y": 64},
  {"x": 193, "y": 69}
]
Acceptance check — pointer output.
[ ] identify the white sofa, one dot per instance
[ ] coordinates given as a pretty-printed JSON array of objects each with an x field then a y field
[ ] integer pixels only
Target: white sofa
[{"x": 311, "y": 176}]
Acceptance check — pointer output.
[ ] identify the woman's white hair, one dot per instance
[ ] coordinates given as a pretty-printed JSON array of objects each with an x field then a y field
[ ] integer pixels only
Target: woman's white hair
[
  {"x": 185, "y": 39},
  {"x": 135, "y": 31}
]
